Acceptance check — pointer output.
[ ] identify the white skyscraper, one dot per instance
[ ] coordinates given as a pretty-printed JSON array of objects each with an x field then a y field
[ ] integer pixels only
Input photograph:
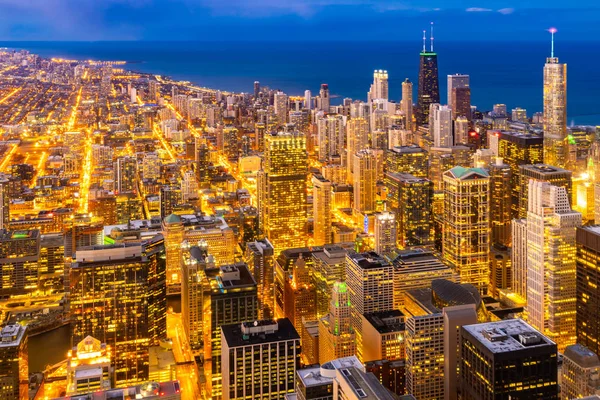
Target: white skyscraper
[
  {"x": 551, "y": 267},
  {"x": 189, "y": 186},
  {"x": 385, "y": 232},
  {"x": 308, "y": 100},
  {"x": 442, "y": 127},
  {"x": 331, "y": 136},
  {"x": 380, "y": 85}
]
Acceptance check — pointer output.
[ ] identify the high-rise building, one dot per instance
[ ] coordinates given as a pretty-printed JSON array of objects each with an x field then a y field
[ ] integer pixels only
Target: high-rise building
[
  {"x": 260, "y": 359},
  {"x": 125, "y": 173},
  {"x": 518, "y": 256},
  {"x": 331, "y": 137},
  {"x": 466, "y": 220},
  {"x": 459, "y": 95},
  {"x": 411, "y": 200},
  {"x": 323, "y": 101},
  {"x": 14, "y": 368},
  {"x": 406, "y": 104},
  {"x": 336, "y": 335},
  {"x": 170, "y": 197},
  {"x": 89, "y": 367},
  {"x": 416, "y": 269},
  {"x": 189, "y": 187},
  {"x": 370, "y": 282},
  {"x": 544, "y": 173},
  {"x": 151, "y": 166},
  {"x": 357, "y": 139},
  {"x": 321, "y": 210},
  {"x": 19, "y": 262},
  {"x": 461, "y": 130},
  {"x": 551, "y": 266},
  {"x": 441, "y": 126},
  {"x": 4, "y": 203},
  {"x": 580, "y": 373},
  {"x": 555, "y": 111},
  {"x": 500, "y": 196},
  {"x": 365, "y": 180},
  {"x": 429, "y": 85},
  {"x": 385, "y": 331},
  {"x": 517, "y": 149},
  {"x": 507, "y": 359},
  {"x": 385, "y": 232},
  {"x": 256, "y": 89},
  {"x": 380, "y": 88},
  {"x": 260, "y": 259},
  {"x": 588, "y": 287},
  {"x": 407, "y": 159},
  {"x": 118, "y": 295},
  {"x": 317, "y": 383},
  {"x": 280, "y": 101},
  {"x": 282, "y": 201},
  {"x": 329, "y": 268},
  {"x": 308, "y": 100},
  {"x": 173, "y": 231}
]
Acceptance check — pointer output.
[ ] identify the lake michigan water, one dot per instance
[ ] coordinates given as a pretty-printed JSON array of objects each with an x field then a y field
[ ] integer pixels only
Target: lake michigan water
[{"x": 501, "y": 72}]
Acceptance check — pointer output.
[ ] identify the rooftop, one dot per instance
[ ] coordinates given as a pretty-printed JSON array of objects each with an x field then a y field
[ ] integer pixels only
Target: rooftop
[
  {"x": 238, "y": 335},
  {"x": 582, "y": 356},
  {"x": 11, "y": 335},
  {"x": 316, "y": 376},
  {"x": 463, "y": 173},
  {"x": 507, "y": 336},
  {"x": 386, "y": 321},
  {"x": 369, "y": 260},
  {"x": 149, "y": 390}
]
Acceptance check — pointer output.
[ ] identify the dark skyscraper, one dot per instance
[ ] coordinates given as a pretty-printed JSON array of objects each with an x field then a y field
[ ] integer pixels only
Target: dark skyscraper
[{"x": 429, "y": 85}]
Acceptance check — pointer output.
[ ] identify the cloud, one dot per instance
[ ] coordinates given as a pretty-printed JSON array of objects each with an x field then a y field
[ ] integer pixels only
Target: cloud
[
  {"x": 506, "y": 11},
  {"x": 478, "y": 9}
]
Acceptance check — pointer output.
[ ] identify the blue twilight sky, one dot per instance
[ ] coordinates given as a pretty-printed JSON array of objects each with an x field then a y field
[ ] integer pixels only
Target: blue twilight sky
[{"x": 296, "y": 19}]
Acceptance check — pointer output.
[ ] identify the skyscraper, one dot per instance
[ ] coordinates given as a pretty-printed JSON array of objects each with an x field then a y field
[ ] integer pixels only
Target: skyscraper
[
  {"x": 466, "y": 219},
  {"x": 260, "y": 259},
  {"x": 365, "y": 180},
  {"x": 588, "y": 287},
  {"x": 407, "y": 159},
  {"x": 280, "y": 101},
  {"x": 282, "y": 199},
  {"x": 551, "y": 266},
  {"x": 380, "y": 88},
  {"x": 125, "y": 174},
  {"x": 385, "y": 232},
  {"x": 429, "y": 86},
  {"x": 580, "y": 373},
  {"x": 323, "y": 101},
  {"x": 336, "y": 335},
  {"x": 507, "y": 359},
  {"x": 331, "y": 137},
  {"x": 308, "y": 100},
  {"x": 370, "y": 282},
  {"x": 321, "y": 210},
  {"x": 260, "y": 359},
  {"x": 406, "y": 104},
  {"x": 555, "y": 110},
  {"x": 442, "y": 127},
  {"x": 357, "y": 138},
  {"x": 500, "y": 211},
  {"x": 459, "y": 95},
  {"x": 541, "y": 172},
  {"x": 14, "y": 369},
  {"x": 4, "y": 203},
  {"x": 256, "y": 89},
  {"x": 118, "y": 295}
]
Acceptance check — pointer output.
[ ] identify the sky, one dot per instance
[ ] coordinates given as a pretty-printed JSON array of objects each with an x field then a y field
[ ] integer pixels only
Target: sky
[{"x": 494, "y": 20}]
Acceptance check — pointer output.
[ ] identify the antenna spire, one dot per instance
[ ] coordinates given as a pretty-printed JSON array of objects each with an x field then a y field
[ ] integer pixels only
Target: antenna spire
[
  {"x": 552, "y": 31},
  {"x": 432, "y": 37},
  {"x": 424, "y": 42}
]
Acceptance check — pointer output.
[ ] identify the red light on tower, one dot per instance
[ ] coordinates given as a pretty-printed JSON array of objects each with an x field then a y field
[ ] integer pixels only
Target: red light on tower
[{"x": 473, "y": 134}]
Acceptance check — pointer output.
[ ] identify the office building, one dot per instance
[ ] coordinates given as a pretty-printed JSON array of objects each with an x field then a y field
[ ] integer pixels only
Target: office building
[
  {"x": 170, "y": 198},
  {"x": 357, "y": 139},
  {"x": 316, "y": 383},
  {"x": 588, "y": 284},
  {"x": 501, "y": 271},
  {"x": 331, "y": 132},
  {"x": 459, "y": 95},
  {"x": 517, "y": 149},
  {"x": 261, "y": 259},
  {"x": 365, "y": 180},
  {"x": 280, "y": 101},
  {"x": 118, "y": 296},
  {"x": 173, "y": 231},
  {"x": 555, "y": 111},
  {"x": 170, "y": 390},
  {"x": 321, "y": 210},
  {"x": 545, "y": 173},
  {"x": 385, "y": 232},
  {"x": 89, "y": 367},
  {"x": 4, "y": 203},
  {"x": 411, "y": 200},
  {"x": 406, "y": 104},
  {"x": 19, "y": 262},
  {"x": 411, "y": 159},
  {"x": 507, "y": 360},
  {"x": 260, "y": 359},
  {"x": 441, "y": 126},
  {"x": 323, "y": 101},
  {"x": 580, "y": 373},
  {"x": 416, "y": 269},
  {"x": 125, "y": 174},
  {"x": 282, "y": 191},
  {"x": 518, "y": 257},
  {"x": 385, "y": 331},
  {"x": 370, "y": 282},
  {"x": 500, "y": 196},
  {"x": 380, "y": 87},
  {"x": 151, "y": 166},
  {"x": 466, "y": 220},
  {"x": 336, "y": 335},
  {"x": 329, "y": 268},
  {"x": 429, "y": 86},
  {"x": 551, "y": 264},
  {"x": 14, "y": 368}
]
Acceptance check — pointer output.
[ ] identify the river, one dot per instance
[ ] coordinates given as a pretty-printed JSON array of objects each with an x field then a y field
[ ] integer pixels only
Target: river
[{"x": 51, "y": 347}]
